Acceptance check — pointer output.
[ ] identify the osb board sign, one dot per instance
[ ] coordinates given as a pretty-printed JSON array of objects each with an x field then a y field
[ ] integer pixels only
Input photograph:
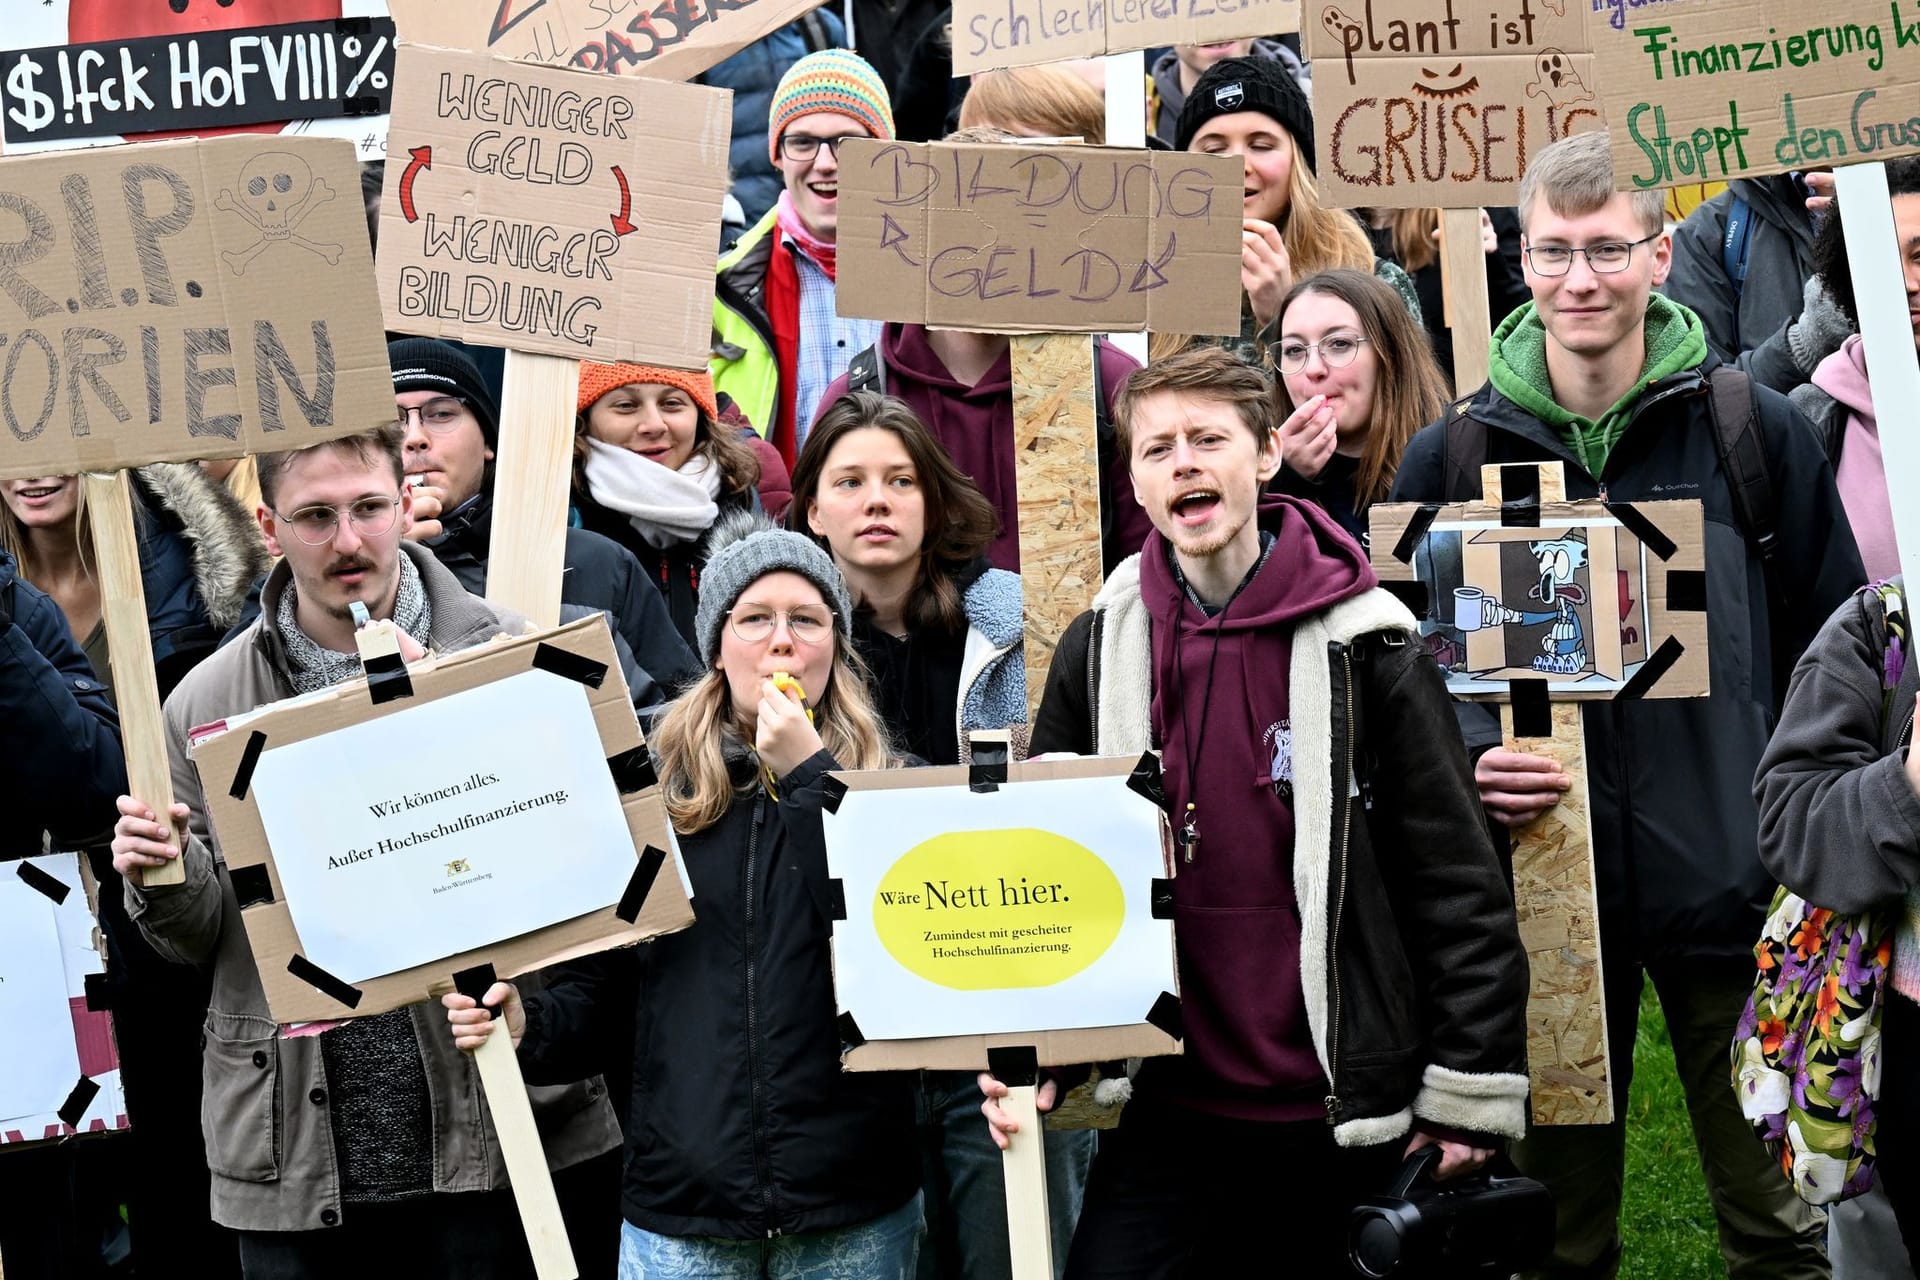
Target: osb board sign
[
  {"x": 1031, "y": 239},
  {"x": 547, "y": 210},
  {"x": 167, "y": 301},
  {"x": 674, "y": 40},
  {"x": 1598, "y": 599},
  {"x": 296, "y": 991},
  {"x": 1711, "y": 90},
  {"x": 1152, "y": 1035},
  {"x": 1419, "y": 104},
  {"x": 91, "y": 72},
  {"x": 1015, "y": 33}
]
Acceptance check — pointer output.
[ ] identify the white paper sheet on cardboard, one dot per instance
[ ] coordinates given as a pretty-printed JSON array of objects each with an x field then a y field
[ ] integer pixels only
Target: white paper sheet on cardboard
[{"x": 40, "y": 1063}]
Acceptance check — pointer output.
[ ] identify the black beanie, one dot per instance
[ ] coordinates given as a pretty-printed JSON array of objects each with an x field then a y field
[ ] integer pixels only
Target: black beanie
[
  {"x": 427, "y": 364},
  {"x": 1249, "y": 84}
]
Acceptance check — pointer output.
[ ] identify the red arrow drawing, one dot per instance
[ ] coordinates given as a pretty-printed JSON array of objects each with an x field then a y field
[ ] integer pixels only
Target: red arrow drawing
[
  {"x": 621, "y": 226},
  {"x": 422, "y": 159}
]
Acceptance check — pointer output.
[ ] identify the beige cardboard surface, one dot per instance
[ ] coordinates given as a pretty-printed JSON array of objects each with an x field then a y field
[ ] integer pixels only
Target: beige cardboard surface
[
  {"x": 1011, "y": 239},
  {"x": 676, "y": 40},
  {"x": 1420, "y": 103},
  {"x": 1624, "y": 574},
  {"x": 243, "y": 842},
  {"x": 544, "y": 209},
  {"x": 1709, "y": 90},
  {"x": 179, "y": 300},
  {"x": 1017, "y": 33},
  {"x": 1055, "y": 1048}
]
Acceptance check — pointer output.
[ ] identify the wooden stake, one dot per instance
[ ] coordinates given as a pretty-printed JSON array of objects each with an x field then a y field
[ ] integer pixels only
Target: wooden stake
[
  {"x": 1057, "y": 476},
  {"x": 1463, "y": 276},
  {"x": 532, "y": 472},
  {"x": 1024, "y": 1164},
  {"x": 136, "y": 688}
]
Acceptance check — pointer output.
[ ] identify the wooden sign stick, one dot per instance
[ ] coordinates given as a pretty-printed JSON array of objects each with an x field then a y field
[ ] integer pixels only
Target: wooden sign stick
[
  {"x": 136, "y": 688},
  {"x": 1463, "y": 283},
  {"x": 1024, "y": 1165}
]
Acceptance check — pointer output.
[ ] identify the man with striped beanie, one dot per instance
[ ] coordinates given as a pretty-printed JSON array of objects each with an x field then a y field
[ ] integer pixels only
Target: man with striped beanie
[{"x": 777, "y": 339}]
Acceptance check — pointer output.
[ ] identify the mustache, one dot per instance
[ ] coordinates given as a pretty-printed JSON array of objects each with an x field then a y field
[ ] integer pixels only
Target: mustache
[{"x": 347, "y": 564}]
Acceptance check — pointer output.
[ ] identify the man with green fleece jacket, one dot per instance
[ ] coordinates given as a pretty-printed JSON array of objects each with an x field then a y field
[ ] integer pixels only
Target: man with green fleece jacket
[{"x": 1611, "y": 380}]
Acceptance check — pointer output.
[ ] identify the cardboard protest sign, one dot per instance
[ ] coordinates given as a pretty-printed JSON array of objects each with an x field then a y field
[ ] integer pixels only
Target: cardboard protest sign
[
  {"x": 1011, "y": 239},
  {"x": 87, "y": 72},
  {"x": 180, "y": 300},
  {"x": 514, "y": 196},
  {"x": 1711, "y": 90},
  {"x": 988, "y": 34},
  {"x": 60, "y": 1074},
  {"x": 1419, "y": 104},
  {"x": 1033, "y": 912},
  {"x": 661, "y": 39},
  {"x": 475, "y": 853},
  {"x": 1599, "y": 600}
]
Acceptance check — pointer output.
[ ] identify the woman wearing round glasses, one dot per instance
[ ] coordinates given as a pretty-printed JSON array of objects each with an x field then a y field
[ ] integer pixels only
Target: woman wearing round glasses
[{"x": 1359, "y": 379}]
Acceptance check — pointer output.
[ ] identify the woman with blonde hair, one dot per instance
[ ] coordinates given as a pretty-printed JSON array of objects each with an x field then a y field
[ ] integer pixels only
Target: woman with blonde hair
[
  {"x": 749, "y": 1152},
  {"x": 1036, "y": 102}
]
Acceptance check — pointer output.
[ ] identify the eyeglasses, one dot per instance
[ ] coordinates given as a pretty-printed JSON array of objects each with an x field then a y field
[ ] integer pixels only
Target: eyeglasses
[
  {"x": 317, "y": 526},
  {"x": 1603, "y": 259},
  {"x": 803, "y": 146},
  {"x": 1336, "y": 352},
  {"x": 438, "y": 416},
  {"x": 809, "y": 624}
]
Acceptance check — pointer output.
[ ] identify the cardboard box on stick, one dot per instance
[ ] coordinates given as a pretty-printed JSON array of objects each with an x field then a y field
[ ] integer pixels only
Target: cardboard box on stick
[{"x": 1015, "y": 33}]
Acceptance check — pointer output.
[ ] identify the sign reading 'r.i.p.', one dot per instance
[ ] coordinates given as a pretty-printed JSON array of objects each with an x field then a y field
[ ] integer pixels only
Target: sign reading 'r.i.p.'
[{"x": 513, "y": 195}]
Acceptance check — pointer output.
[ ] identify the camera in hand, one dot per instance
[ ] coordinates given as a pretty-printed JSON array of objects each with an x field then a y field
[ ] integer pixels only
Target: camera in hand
[{"x": 1481, "y": 1225}]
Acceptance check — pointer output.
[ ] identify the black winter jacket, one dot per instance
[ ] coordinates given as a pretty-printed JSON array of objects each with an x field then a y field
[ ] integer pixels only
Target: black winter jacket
[
  {"x": 742, "y": 1123},
  {"x": 674, "y": 570},
  {"x": 1670, "y": 779}
]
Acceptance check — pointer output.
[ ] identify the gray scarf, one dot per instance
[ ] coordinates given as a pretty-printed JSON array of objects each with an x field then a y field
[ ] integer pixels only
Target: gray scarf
[{"x": 312, "y": 666}]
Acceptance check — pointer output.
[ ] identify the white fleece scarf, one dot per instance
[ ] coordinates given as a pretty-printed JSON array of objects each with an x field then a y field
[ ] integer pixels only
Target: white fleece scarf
[{"x": 664, "y": 506}]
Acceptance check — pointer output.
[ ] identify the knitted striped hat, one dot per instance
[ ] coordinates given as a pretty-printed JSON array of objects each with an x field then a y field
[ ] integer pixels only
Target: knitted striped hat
[
  {"x": 831, "y": 80},
  {"x": 598, "y": 379}
]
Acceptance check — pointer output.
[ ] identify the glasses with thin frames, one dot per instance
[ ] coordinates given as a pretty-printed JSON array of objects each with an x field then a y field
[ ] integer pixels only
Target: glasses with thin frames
[
  {"x": 809, "y": 624},
  {"x": 317, "y": 525},
  {"x": 1337, "y": 351},
  {"x": 803, "y": 146},
  {"x": 437, "y": 416},
  {"x": 1602, "y": 259}
]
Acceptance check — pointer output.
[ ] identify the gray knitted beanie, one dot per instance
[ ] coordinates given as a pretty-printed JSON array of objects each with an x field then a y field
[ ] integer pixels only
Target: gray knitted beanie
[{"x": 743, "y": 548}]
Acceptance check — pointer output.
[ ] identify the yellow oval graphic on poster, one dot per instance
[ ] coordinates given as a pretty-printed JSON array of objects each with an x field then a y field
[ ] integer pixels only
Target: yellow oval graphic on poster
[{"x": 987, "y": 910}]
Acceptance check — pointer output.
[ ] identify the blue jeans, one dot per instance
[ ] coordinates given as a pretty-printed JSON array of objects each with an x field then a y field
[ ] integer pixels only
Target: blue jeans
[
  {"x": 883, "y": 1249},
  {"x": 966, "y": 1190}
]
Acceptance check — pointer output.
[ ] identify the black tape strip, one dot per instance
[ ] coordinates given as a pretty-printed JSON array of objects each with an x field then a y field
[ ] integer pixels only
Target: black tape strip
[
  {"x": 640, "y": 884},
  {"x": 1416, "y": 530},
  {"x": 850, "y": 1037},
  {"x": 1657, "y": 665},
  {"x": 832, "y": 792},
  {"x": 1520, "y": 496},
  {"x": 362, "y": 106},
  {"x": 314, "y": 976},
  {"x": 1160, "y": 896},
  {"x": 836, "y": 898},
  {"x": 1166, "y": 1016},
  {"x": 99, "y": 993},
  {"x": 251, "y": 885},
  {"x": 988, "y": 774},
  {"x": 387, "y": 679},
  {"x": 356, "y": 26},
  {"x": 1145, "y": 780},
  {"x": 1015, "y": 1065},
  {"x": 473, "y": 983},
  {"x": 243, "y": 774},
  {"x": 40, "y": 882},
  {"x": 74, "y": 1109},
  {"x": 1414, "y": 595},
  {"x": 633, "y": 770},
  {"x": 569, "y": 665},
  {"x": 1687, "y": 590},
  {"x": 1532, "y": 709},
  {"x": 1642, "y": 528}
]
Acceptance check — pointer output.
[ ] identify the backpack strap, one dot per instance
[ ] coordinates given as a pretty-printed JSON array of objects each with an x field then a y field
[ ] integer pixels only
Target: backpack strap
[
  {"x": 1733, "y": 245},
  {"x": 814, "y": 32},
  {"x": 868, "y": 371},
  {"x": 1743, "y": 457}
]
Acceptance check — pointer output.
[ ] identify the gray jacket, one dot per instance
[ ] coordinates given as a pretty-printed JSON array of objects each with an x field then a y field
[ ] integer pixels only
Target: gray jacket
[{"x": 265, "y": 1112}]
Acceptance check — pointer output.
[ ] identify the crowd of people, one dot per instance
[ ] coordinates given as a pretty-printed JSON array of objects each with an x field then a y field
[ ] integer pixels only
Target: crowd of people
[{"x": 834, "y": 501}]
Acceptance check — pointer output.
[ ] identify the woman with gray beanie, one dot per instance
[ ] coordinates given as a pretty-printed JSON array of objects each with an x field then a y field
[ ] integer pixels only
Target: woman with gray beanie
[{"x": 749, "y": 1152}]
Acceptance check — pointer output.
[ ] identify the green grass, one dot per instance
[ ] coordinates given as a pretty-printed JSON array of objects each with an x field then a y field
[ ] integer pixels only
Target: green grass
[{"x": 1665, "y": 1220}]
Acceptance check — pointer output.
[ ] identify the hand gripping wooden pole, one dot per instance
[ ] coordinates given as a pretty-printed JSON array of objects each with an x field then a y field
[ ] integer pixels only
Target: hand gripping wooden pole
[{"x": 136, "y": 689}]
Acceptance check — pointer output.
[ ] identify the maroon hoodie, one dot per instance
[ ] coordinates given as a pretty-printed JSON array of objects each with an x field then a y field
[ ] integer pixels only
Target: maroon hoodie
[
  {"x": 976, "y": 425},
  {"x": 1222, "y": 717}
]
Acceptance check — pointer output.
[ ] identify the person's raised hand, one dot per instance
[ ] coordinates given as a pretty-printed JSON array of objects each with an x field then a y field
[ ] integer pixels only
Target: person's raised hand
[
  {"x": 429, "y": 504},
  {"x": 1516, "y": 788},
  {"x": 140, "y": 842},
  {"x": 999, "y": 1123},
  {"x": 783, "y": 734},
  {"x": 1266, "y": 273},
  {"x": 1308, "y": 437},
  {"x": 1819, "y": 191},
  {"x": 472, "y": 1023}
]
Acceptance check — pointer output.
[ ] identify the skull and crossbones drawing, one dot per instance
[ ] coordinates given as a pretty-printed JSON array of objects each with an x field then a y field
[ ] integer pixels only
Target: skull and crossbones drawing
[{"x": 277, "y": 192}]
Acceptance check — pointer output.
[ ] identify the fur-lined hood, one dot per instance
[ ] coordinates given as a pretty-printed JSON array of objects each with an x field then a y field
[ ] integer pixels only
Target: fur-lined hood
[{"x": 225, "y": 547}]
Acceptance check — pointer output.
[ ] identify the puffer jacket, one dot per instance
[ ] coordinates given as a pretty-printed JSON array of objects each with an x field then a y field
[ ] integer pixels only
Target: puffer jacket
[
  {"x": 752, "y": 74},
  {"x": 674, "y": 570},
  {"x": 742, "y": 1126},
  {"x": 1410, "y": 961},
  {"x": 200, "y": 552}
]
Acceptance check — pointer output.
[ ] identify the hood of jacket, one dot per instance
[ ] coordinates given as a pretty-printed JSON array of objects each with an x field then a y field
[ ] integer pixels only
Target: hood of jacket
[
  {"x": 1843, "y": 375},
  {"x": 225, "y": 550},
  {"x": 1313, "y": 566}
]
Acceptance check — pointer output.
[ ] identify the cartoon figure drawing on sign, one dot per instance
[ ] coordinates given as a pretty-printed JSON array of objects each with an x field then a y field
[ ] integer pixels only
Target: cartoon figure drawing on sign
[
  {"x": 1557, "y": 81},
  {"x": 278, "y": 191},
  {"x": 1564, "y": 647}
]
